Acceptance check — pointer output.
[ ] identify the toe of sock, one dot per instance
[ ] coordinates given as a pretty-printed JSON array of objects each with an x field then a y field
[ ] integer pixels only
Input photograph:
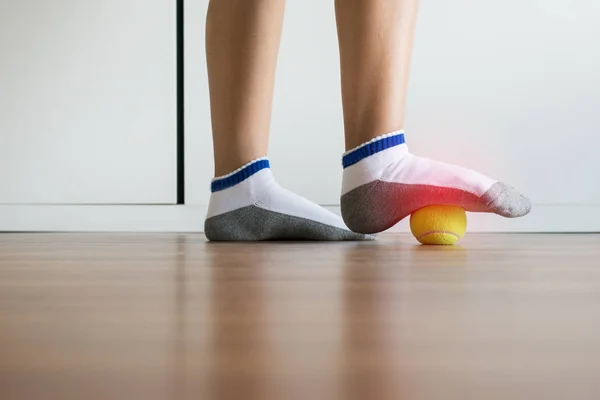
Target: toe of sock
[{"x": 507, "y": 201}]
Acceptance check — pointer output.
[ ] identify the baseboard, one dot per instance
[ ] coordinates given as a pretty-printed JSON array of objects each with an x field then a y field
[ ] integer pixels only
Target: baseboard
[{"x": 188, "y": 218}]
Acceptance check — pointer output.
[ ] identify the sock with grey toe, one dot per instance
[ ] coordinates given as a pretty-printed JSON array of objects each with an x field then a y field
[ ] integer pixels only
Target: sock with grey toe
[
  {"x": 249, "y": 205},
  {"x": 384, "y": 183}
]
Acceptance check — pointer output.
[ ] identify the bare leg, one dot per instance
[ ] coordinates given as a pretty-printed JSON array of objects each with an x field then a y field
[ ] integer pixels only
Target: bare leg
[
  {"x": 383, "y": 182},
  {"x": 242, "y": 42},
  {"x": 375, "y": 40}
]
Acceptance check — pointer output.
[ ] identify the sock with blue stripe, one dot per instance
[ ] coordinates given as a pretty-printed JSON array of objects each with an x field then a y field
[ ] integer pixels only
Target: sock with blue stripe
[
  {"x": 248, "y": 205},
  {"x": 384, "y": 183}
]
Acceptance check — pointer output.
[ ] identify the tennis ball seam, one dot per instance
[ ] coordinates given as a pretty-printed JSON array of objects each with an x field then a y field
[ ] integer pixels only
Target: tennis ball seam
[{"x": 438, "y": 231}]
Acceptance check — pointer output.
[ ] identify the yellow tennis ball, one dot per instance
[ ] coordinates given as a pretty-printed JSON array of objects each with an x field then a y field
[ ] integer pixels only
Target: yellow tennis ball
[{"x": 438, "y": 224}]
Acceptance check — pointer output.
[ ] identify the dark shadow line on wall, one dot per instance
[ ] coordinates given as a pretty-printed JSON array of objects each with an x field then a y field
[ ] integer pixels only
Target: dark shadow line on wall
[{"x": 180, "y": 103}]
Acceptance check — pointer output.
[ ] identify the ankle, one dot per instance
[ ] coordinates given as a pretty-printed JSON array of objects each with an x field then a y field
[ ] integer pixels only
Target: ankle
[
  {"x": 379, "y": 144},
  {"x": 249, "y": 178},
  {"x": 367, "y": 132},
  {"x": 234, "y": 162}
]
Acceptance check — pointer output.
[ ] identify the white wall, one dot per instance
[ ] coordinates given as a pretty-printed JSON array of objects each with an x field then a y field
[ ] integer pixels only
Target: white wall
[
  {"x": 508, "y": 88},
  {"x": 512, "y": 88}
]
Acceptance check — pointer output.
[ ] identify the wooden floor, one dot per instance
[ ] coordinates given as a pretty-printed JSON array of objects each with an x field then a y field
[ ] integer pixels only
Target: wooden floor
[{"x": 85, "y": 316}]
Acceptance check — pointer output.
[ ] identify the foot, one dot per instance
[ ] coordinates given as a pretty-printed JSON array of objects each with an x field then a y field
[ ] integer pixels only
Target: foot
[
  {"x": 249, "y": 205},
  {"x": 383, "y": 183}
]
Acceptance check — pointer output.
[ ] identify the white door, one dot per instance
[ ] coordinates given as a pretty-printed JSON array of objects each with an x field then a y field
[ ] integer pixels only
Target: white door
[{"x": 87, "y": 101}]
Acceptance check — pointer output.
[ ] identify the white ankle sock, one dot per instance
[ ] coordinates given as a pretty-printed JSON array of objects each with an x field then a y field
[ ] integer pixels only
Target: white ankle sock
[
  {"x": 383, "y": 183},
  {"x": 248, "y": 204}
]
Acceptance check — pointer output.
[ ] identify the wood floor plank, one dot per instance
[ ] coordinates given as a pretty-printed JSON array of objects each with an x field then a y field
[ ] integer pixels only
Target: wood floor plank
[{"x": 147, "y": 316}]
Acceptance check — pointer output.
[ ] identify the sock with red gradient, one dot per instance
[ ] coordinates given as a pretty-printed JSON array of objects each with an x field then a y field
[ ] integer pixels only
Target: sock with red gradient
[{"x": 384, "y": 183}]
